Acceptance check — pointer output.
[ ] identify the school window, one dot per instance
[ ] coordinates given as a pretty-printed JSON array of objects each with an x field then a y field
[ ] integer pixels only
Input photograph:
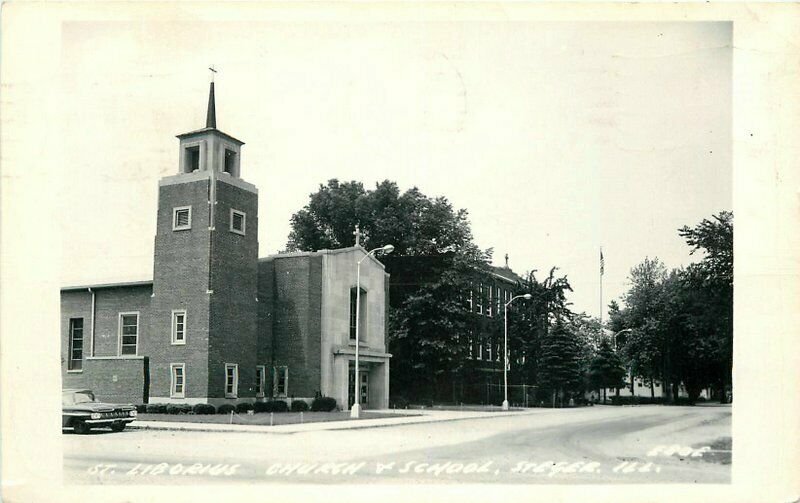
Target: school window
[
  {"x": 181, "y": 218},
  {"x": 179, "y": 327},
  {"x": 497, "y": 300},
  {"x": 280, "y": 381},
  {"x": 260, "y": 380},
  {"x": 480, "y": 299},
  {"x": 128, "y": 333},
  {"x": 489, "y": 304},
  {"x": 178, "y": 380},
  {"x": 470, "y": 344},
  {"x": 75, "y": 361},
  {"x": 488, "y": 350},
  {"x": 470, "y": 300},
  {"x": 238, "y": 222},
  {"x": 480, "y": 350},
  {"x": 231, "y": 380}
]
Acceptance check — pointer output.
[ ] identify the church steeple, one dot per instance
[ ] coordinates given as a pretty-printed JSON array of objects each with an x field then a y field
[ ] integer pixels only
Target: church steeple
[
  {"x": 209, "y": 149},
  {"x": 211, "y": 115}
]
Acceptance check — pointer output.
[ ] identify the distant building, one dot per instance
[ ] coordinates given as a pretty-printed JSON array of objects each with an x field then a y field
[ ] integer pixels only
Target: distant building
[
  {"x": 217, "y": 324},
  {"x": 482, "y": 344}
]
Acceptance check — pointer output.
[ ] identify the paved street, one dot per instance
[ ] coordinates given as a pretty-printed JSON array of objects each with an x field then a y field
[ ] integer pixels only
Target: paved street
[{"x": 587, "y": 445}]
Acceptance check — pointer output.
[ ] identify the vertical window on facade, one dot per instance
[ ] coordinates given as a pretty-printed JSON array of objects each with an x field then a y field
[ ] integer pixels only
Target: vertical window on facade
[
  {"x": 260, "y": 380},
  {"x": 470, "y": 301},
  {"x": 497, "y": 300},
  {"x": 181, "y": 218},
  {"x": 480, "y": 299},
  {"x": 231, "y": 380},
  {"x": 179, "y": 327},
  {"x": 280, "y": 381},
  {"x": 488, "y": 349},
  {"x": 238, "y": 222},
  {"x": 362, "y": 314},
  {"x": 470, "y": 344},
  {"x": 480, "y": 350},
  {"x": 129, "y": 333},
  {"x": 178, "y": 380},
  {"x": 490, "y": 303},
  {"x": 75, "y": 357}
]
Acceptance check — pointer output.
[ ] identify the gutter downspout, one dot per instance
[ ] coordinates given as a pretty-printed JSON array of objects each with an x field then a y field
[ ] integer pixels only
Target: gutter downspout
[{"x": 91, "y": 326}]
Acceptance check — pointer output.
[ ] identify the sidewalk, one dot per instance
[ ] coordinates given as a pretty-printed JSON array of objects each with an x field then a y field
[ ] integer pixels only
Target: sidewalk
[{"x": 415, "y": 416}]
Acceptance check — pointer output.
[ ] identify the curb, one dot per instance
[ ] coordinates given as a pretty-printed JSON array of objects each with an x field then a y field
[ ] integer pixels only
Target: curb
[{"x": 271, "y": 429}]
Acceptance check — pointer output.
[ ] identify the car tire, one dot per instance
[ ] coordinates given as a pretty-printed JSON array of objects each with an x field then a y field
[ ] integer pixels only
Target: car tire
[
  {"x": 117, "y": 427},
  {"x": 81, "y": 428}
]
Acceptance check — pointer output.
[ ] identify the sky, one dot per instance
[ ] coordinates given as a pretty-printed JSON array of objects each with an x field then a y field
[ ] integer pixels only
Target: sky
[{"x": 558, "y": 138}]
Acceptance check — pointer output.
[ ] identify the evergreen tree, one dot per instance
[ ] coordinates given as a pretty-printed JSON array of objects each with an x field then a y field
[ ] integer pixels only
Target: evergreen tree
[
  {"x": 560, "y": 364},
  {"x": 606, "y": 369}
]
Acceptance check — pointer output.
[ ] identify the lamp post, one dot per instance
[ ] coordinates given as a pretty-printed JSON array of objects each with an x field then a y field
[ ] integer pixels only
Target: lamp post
[
  {"x": 527, "y": 296},
  {"x": 355, "y": 412}
]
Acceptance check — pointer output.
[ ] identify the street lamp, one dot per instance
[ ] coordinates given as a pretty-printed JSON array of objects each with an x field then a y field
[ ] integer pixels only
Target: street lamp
[
  {"x": 527, "y": 296},
  {"x": 355, "y": 412}
]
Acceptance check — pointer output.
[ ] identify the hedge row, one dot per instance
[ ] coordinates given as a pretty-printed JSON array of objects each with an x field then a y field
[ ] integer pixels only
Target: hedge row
[{"x": 320, "y": 404}]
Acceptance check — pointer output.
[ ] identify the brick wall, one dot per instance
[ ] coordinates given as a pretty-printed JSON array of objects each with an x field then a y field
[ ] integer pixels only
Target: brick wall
[
  {"x": 180, "y": 272},
  {"x": 234, "y": 278},
  {"x": 98, "y": 374},
  {"x": 297, "y": 295}
]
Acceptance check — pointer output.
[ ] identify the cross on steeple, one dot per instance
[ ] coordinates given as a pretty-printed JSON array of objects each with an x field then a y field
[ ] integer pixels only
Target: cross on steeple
[
  {"x": 357, "y": 234},
  {"x": 213, "y": 72},
  {"x": 506, "y": 260}
]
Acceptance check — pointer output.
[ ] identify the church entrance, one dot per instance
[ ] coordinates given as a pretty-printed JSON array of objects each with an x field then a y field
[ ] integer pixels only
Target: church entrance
[{"x": 363, "y": 387}]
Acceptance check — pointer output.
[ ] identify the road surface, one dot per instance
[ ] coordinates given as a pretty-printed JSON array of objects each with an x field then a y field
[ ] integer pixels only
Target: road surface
[{"x": 586, "y": 445}]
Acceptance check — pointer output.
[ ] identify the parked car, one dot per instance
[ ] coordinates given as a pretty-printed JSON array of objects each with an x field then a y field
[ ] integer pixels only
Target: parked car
[{"x": 82, "y": 412}]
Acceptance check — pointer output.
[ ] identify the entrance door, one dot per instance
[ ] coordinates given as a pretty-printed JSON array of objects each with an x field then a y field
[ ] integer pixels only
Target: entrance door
[{"x": 364, "y": 388}]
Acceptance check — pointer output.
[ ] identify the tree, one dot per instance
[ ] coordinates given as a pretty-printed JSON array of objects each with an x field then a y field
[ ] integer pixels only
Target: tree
[
  {"x": 560, "y": 365},
  {"x": 606, "y": 369},
  {"x": 428, "y": 316}
]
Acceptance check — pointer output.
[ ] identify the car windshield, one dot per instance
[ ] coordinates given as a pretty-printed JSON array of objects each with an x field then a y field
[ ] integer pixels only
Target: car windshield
[{"x": 75, "y": 398}]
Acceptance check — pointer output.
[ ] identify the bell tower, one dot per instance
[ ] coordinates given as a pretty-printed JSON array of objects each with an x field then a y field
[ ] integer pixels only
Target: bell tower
[{"x": 205, "y": 272}]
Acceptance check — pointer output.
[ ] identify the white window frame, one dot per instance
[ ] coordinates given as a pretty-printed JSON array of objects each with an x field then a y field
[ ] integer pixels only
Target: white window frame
[
  {"x": 480, "y": 349},
  {"x": 470, "y": 300},
  {"x": 175, "y": 226},
  {"x": 261, "y": 382},
  {"x": 235, "y": 367},
  {"x": 175, "y": 314},
  {"x": 275, "y": 371},
  {"x": 70, "y": 345},
  {"x": 490, "y": 302},
  {"x": 480, "y": 299},
  {"x": 173, "y": 392},
  {"x": 119, "y": 332},
  {"x": 244, "y": 222}
]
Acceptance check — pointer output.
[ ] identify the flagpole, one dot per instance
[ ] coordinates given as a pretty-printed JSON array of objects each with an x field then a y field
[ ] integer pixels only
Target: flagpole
[{"x": 601, "y": 287}]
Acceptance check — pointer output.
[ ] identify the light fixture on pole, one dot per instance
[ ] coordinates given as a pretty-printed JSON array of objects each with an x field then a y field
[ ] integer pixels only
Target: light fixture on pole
[
  {"x": 527, "y": 296},
  {"x": 355, "y": 412}
]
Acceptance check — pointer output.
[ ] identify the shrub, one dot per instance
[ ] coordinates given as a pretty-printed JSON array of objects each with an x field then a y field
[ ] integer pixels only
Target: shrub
[
  {"x": 243, "y": 407},
  {"x": 178, "y": 408},
  {"x": 204, "y": 408},
  {"x": 225, "y": 408},
  {"x": 141, "y": 408},
  {"x": 299, "y": 406},
  {"x": 277, "y": 406},
  {"x": 399, "y": 402},
  {"x": 323, "y": 404},
  {"x": 261, "y": 407},
  {"x": 156, "y": 408}
]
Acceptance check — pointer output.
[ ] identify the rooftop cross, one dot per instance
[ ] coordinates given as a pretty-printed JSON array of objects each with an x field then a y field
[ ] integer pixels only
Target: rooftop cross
[
  {"x": 213, "y": 72},
  {"x": 357, "y": 234}
]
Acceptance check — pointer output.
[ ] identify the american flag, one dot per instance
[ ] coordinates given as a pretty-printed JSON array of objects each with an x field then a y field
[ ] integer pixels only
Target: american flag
[{"x": 602, "y": 262}]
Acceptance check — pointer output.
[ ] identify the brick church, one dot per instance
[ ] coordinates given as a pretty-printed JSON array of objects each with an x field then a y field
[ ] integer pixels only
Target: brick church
[{"x": 216, "y": 323}]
